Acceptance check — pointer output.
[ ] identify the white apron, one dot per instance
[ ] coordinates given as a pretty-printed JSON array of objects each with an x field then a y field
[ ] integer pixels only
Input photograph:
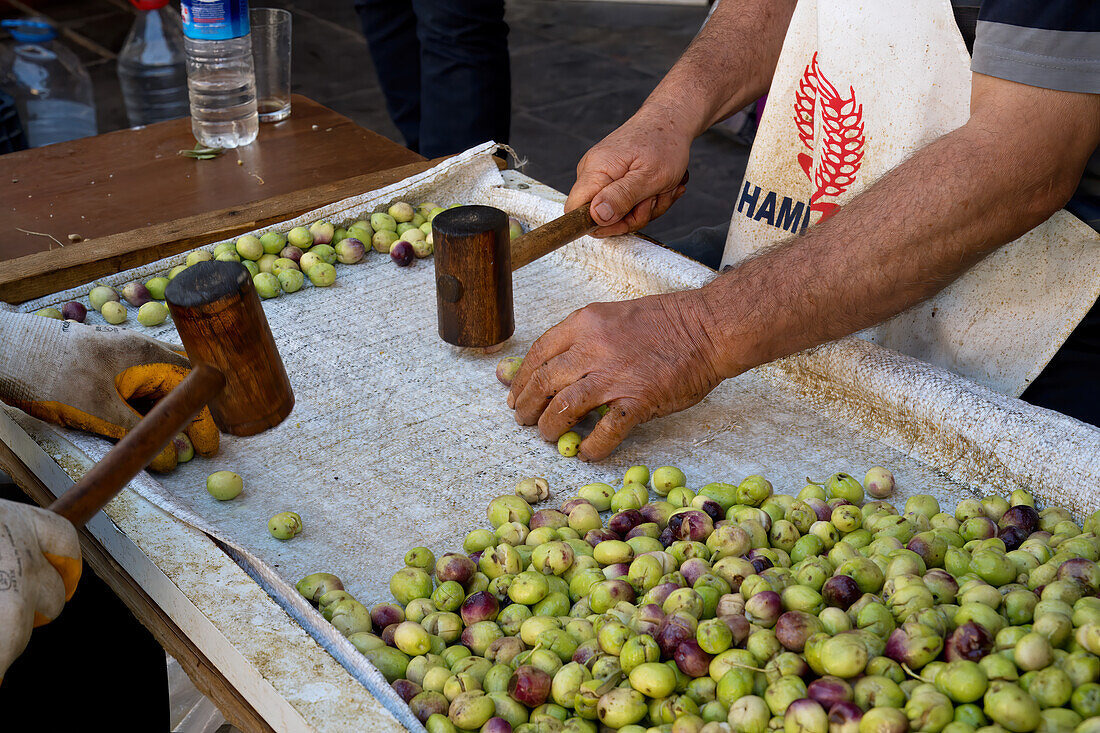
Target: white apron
[{"x": 859, "y": 87}]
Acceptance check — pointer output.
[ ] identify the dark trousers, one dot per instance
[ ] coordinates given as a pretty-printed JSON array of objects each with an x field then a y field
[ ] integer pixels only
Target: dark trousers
[
  {"x": 443, "y": 66},
  {"x": 92, "y": 663}
]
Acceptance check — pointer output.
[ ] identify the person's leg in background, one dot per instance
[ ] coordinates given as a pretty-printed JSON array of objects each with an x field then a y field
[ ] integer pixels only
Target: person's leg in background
[
  {"x": 390, "y": 30},
  {"x": 465, "y": 76},
  {"x": 85, "y": 661}
]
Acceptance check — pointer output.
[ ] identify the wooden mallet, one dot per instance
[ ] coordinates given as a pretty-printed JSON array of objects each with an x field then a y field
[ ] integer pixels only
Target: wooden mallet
[
  {"x": 474, "y": 261},
  {"x": 235, "y": 369}
]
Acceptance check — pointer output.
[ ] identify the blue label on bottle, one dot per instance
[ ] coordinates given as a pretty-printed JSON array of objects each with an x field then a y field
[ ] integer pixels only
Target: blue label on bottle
[{"x": 214, "y": 20}]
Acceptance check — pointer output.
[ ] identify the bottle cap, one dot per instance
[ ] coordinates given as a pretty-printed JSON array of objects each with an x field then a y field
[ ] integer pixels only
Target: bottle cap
[
  {"x": 149, "y": 4},
  {"x": 28, "y": 30}
]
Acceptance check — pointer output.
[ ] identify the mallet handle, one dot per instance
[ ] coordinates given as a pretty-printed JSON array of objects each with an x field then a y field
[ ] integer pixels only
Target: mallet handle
[
  {"x": 551, "y": 235},
  {"x": 133, "y": 453}
]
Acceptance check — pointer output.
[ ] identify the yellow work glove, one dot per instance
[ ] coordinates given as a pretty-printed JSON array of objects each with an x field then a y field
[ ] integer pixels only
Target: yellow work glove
[
  {"x": 39, "y": 569},
  {"x": 100, "y": 379}
]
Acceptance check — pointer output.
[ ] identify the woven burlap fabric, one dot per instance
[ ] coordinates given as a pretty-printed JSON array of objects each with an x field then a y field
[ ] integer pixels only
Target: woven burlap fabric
[{"x": 398, "y": 439}]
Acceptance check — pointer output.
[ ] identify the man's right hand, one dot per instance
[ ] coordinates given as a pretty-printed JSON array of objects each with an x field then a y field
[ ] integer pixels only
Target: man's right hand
[
  {"x": 634, "y": 174},
  {"x": 39, "y": 569}
]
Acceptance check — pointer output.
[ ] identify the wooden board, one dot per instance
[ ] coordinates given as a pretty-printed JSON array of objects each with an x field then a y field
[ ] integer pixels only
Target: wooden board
[
  {"x": 131, "y": 179},
  {"x": 35, "y": 275}
]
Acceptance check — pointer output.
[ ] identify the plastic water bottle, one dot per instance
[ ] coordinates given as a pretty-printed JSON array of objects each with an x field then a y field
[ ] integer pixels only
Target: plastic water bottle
[
  {"x": 220, "y": 77},
  {"x": 152, "y": 67},
  {"x": 52, "y": 91}
]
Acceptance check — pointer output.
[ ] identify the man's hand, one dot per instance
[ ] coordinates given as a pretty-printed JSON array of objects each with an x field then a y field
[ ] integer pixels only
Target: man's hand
[
  {"x": 39, "y": 569},
  {"x": 642, "y": 358},
  {"x": 634, "y": 174},
  {"x": 99, "y": 379}
]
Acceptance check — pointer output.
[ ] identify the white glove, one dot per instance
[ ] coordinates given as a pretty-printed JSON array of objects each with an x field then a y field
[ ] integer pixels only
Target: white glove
[
  {"x": 39, "y": 569},
  {"x": 90, "y": 378}
]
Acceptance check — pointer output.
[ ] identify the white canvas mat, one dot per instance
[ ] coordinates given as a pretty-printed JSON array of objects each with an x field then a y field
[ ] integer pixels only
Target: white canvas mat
[{"x": 398, "y": 439}]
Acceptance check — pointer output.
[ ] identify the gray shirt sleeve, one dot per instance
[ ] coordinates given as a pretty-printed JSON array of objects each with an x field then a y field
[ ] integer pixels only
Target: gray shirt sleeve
[{"x": 1065, "y": 60}]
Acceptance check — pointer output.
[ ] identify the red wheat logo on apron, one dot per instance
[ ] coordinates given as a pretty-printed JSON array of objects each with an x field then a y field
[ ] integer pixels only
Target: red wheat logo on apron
[{"x": 841, "y": 144}]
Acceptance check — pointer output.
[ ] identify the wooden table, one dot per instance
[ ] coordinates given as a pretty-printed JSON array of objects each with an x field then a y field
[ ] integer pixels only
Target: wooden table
[{"x": 133, "y": 200}]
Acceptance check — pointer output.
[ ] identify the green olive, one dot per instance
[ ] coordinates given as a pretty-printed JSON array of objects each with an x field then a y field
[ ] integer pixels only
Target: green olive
[
  {"x": 569, "y": 444},
  {"x": 224, "y": 485}
]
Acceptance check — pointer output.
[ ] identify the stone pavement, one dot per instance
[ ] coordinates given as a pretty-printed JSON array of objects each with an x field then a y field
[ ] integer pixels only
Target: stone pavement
[{"x": 579, "y": 69}]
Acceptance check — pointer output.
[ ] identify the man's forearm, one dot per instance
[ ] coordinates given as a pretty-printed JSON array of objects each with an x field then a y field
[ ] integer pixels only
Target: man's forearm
[
  {"x": 729, "y": 64},
  {"x": 905, "y": 237}
]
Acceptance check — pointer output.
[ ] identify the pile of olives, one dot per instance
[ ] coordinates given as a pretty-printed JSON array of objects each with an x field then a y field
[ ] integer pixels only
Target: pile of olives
[{"x": 732, "y": 608}]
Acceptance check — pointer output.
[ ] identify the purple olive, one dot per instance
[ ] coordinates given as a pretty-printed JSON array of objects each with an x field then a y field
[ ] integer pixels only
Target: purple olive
[
  {"x": 406, "y": 690},
  {"x": 807, "y": 716},
  {"x": 572, "y": 504},
  {"x": 616, "y": 570},
  {"x": 596, "y": 536},
  {"x": 691, "y": 659},
  {"x": 913, "y": 644},
  {"x": 674, "y": 523},
  {"x": 968, "y": 641},
  {"x": 529, "y": 686},
  {"x": 929, "y": 547},
  {"x": 647, "y": 619},
  {"x": 496, "y": 725},
  {"x": 653, "y": 513},
  {"x": 764, "y": 608},
  {"x": 660, "y": 592},
  {"x": 794, "y": 627},
  {"x": 695, "y": 525},
  {"x": 402, "y": 253},
  {"x": 385, "y": 614},
  {"x": 840, "y": 591},
  {"x": 428, "y": 703},
  {"x": 713, "y": 510},
  {"x": 388, "y": 633},
  {"x": 1023, "y": 516},
  {"x": 453, "y": 566},
  {"x": 844, "y": 717},
  {"x": 625, "y": 521},
  {"x": 480, "y": 606},
  {"x": 475, "y": 557},
  {"x": 645, "y": 529},
  {"x": 829, "y": 691},
  {"x": 738, "y": 625},
  {"x": 675, "y": 630},
  {"x": 760, "y": 564},
  {"x": 823, "y": 511},
  {"x": 548, "y": 518},
  {"x": 136, "y": 294},
  {"x": 1012, "y": 536},
  {"x": 1083, "y": 571},
  {"x": 667, "y": 536},
  {"x": 694, "y": 568},
  {"x": 74, "y": 311},
  {"x": 350, "y": 250},
  {"x": 587, "y": 652},
  {"x": 290, "y": 252}
]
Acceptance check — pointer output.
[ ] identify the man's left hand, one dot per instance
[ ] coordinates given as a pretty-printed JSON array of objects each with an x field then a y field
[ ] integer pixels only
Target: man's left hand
[{"x": 642, "y": 358}]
